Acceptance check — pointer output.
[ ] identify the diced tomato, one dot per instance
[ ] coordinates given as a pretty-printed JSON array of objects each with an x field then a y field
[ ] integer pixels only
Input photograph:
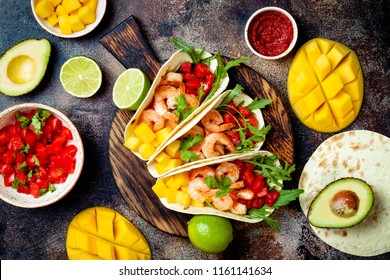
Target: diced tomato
[
  {"x": 244, "y": 111},
  {"x": 186, "y": 67},
  {"x": 15, "y": 144},
  {"x": 42, "y": 173},
  {"x": 228, "y": 118},
  {"x": 246, "y": 202},
  {"x": 13, "y": 131},
  {"x": 257, "y": 202},
  {"x": 232, "y": 108},
  {"x": 70, "y": 151},
  {"x": 57, "y": 175},
  {"x": 201, "y": 70},
  {"x": 30, "y": 160},
  {"x": 191, "y": 81},
  {"x": 54, "y": 123},
  {"x": 20, "y": 175},
  {"x": 8, "y": 179},
  {"x": 47, "y": 131},
  {"x": 253, "y": 120},
  {"x": 6, "y": 169},
  {"x": 234, "y": 137},
  {"x": 19, "y": 158},
  {"x": 34, "y": 190},
  {"x": 2, "y": 149},
  {"x": 29, "y": 137},
  {"x": 258, "y": 183},
  {"x": 54, "y": 148},
  {"x": 240, "y": 164},
  {"x": 208, "y": 83},
  {"x": 192, "y": 91},
  {"x": 4, "y": 137},
  {"x": 248, "y": 177},
  {"x": 249, "y": 166},
  {"x": 43, "y": 184},
  {"x": 271, "y": 197},
  {"x": 41, "y": 150},
  {"x": 24, "y": 189},
  {"x": 8, "y": 157},
  {"x": 66, "y": 134}
]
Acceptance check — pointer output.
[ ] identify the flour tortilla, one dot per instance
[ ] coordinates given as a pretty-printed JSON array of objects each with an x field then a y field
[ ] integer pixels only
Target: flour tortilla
[
  {"x": 207, "y": 210},
  {"x": 360, "y": 154},
  {"x": 172, "y": 64},
  {"x": 240, "y": 98}
]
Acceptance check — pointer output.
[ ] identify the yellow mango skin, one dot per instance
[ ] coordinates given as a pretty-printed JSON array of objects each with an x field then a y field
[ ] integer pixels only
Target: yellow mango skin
[
  {"x": 101, "y": 233},
  {"x": 325, "y": 85}
]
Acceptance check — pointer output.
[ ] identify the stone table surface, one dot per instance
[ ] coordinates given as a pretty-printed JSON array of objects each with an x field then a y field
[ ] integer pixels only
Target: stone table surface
[{"x": 363, "y": 25}]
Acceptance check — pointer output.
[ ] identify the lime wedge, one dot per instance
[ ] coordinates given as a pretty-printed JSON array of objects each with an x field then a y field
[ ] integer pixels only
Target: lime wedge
[
  {"x": 81, "y": 76},
  {"x": 130, "y": 89}
]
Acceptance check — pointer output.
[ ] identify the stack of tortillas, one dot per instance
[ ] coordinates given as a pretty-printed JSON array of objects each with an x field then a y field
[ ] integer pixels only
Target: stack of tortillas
[{"x": 360, "y": 154}]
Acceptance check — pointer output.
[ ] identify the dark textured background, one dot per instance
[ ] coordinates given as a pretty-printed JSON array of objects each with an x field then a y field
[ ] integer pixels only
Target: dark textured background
[{"x": 40, "y": 233}]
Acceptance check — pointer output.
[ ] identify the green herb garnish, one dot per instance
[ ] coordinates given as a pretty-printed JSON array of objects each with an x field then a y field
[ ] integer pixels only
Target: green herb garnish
[
  {"x": 195, "y": 55},
  {"x": 23, "y": 120},
  {"x": 223, "y": 184},
  {"x": 182, "y": 109},
  {"x": 38, "y": 120},
  {"x": 187, "y": 143},
  {"x": 16, "y": 182},
  {"x": 24, "y": 149}
]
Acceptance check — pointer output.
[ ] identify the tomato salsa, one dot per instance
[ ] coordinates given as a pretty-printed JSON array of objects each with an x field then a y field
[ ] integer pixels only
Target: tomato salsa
[
  {"x": 270, "y": 33},
  {"x": 35, "y": 152}
]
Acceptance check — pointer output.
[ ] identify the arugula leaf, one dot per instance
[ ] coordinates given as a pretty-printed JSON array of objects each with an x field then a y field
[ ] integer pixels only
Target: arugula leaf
[
  {"x": 187, "y": 143},
  {"x": 196, "y": 56},
  {"x": 38, "y": 120},
  {"x": 223, "y": 184},
  {"x": 231, "y": 95},
  {"x": 24, "y": 121},
  {"x": 258, "y": 104},
  {"x": 285, "y": 197}
]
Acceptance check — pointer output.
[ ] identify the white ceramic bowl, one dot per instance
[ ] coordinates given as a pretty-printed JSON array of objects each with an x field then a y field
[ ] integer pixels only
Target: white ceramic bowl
[
  {"x": 10, "y": 195},
  {"x": 55, "y": 30},
  {"x": 295, "y": 32}
]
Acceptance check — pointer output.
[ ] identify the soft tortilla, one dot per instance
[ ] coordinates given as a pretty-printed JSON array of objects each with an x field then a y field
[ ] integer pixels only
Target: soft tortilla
[
  {"x": 207, "y": 210},
  {"x": 361, "y": 154},
  {"x": 172, "y": 64},
  {"x": 240, "y": 98}
]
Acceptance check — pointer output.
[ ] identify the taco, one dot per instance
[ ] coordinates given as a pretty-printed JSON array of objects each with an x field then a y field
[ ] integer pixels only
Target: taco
[
  {"x": 231, "y": 126},
  {"x": 248, "y": 189},
  {"x": 183, "y": 87},
  {"x": 364, "y": 156}
]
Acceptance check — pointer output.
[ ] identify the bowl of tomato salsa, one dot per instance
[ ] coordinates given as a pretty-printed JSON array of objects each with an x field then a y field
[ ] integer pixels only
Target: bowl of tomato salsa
[
  {"x": 41, "y": 155},
  {"x": 271, "y": 33}
]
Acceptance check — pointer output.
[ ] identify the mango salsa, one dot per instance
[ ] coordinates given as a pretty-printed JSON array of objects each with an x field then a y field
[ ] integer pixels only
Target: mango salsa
[
  {"x": 325, "y": 85},
  {"x": 76, "y": 13}
]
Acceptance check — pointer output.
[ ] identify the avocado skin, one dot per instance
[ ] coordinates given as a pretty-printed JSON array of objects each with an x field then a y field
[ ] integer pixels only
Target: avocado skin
[
  {"x": 327, "y": 219},
  {"x": 39, "y": 50}
]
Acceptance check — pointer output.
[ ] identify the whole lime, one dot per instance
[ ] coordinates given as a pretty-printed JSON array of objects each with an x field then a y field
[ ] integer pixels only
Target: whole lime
[{"x": 210, "y": 234}]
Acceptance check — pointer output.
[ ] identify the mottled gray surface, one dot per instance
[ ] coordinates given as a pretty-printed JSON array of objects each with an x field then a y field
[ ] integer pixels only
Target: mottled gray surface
[{"x": 40, "y": 233}]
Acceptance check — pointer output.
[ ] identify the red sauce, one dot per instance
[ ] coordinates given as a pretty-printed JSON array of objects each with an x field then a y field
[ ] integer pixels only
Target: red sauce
[{"x": 270, "y": 33}]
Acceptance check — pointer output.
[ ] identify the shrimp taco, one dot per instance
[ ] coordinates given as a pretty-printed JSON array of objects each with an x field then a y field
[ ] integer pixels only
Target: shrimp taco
[
  {"x": 187, "y": 83},
  {"x": 229, "y": 127},
  {"x": 361, "y": 155},
  {"x": 248, "y": 189}
]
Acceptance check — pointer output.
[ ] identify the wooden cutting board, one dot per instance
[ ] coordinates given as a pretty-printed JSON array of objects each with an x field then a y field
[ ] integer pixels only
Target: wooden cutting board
[{"x": 134, "y": 182}]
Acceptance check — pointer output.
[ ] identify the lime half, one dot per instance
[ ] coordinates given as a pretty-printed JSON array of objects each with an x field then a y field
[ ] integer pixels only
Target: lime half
[
  {"x": 130, "y": 89},
  {"x": 81, "y": 76}
]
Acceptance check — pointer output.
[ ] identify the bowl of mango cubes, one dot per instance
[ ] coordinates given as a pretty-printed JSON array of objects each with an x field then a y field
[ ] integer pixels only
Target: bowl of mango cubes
[{"x": 68, "y": 18}]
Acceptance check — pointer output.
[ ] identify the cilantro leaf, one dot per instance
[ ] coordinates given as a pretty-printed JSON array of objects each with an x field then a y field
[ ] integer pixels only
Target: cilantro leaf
[
  {"x": 38, "y": 120},
  {"x": 22, "y": 165},
  {"x": 183, "y": 111},
  {"x": 24, "y": 149},
  {"x": 16, "y": 183},
  {"x": 223, "y": 184},
  {"x": 196, "y": 56},
  {"x": 23, "y": 120},
  {"x": 187, "y": 143},
  {"x": 52, "y": 188}
]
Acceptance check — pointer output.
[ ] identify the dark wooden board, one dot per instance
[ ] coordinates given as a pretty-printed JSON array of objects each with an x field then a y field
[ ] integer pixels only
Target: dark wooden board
[{"x": 134, "y": 182}]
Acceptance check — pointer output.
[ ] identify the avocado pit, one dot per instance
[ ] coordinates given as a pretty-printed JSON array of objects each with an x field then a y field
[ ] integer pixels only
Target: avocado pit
[
  {"x": 345, "y": 203},
  {"x": 21, "y": 69}
]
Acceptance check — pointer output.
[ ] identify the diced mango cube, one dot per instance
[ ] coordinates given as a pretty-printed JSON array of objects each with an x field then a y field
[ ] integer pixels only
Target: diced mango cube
[
  {"x": 173, "y": 148},
  {"x": 76, "y": 23},
  {"x": 52, "y": 19},
  {"x": 173, "y": 163},
  {"x": 355, "y": 88},
  {"x": 306, "y": 81},
  {"x": 60, "y": 11},
  {"x": 313, "y": 51},
  {"x": 170, "y": 195},
  {"x": 162, "y": 158},
  {"x": 182, "y": 179},
  {"x": 171, "y": 183},
  {"x": 91, "y": 3},
  {"x": 322, "y": 67},
  {"x": 154, "y": 143},
  {"x": 144, "y": 133},
  {"x": 348, "y": 69},
  {"x": 306, "y": 106},
  {"x": 160, "y": 168},
  {"x": 197, "y": 203},
  {"x": 146, "y": 150},
  {"x": 71, "y": 5},
  {"x": 341, "y": 105},
  {"x": 44, "y": 8},
  {"x": 86, "y": 14},
  {"x": 162, "y": 134},
  {"x": 183, "y": 198},
  {"x": 55, "y": 3},
  {"x": 64, "y": 23},
  {"x": 336, "y": 54},
  {"x": 133, "y": 143},
  {"x": 323, "y": 116},
  {"x": 159, "y": 189}
]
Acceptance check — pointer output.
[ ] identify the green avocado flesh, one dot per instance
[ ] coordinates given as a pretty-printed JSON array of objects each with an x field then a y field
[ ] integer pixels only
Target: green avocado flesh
[
  {"x": 341, "y": 204},
  {"x": 23, "y": 66}
]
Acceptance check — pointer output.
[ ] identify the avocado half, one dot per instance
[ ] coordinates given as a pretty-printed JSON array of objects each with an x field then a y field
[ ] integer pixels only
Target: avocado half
[
  {"x": 23, "y": 66},
  {"x": 341, "y": 204}
]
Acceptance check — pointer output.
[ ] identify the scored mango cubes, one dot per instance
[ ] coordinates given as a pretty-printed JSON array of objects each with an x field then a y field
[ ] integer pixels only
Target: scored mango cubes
[{"x": 325, "y": 85}]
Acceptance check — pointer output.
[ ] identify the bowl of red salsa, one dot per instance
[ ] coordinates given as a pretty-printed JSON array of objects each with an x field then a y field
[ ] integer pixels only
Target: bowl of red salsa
[
  {"x": 41, "y": 155},
  {"x": 271, "y": 33}
]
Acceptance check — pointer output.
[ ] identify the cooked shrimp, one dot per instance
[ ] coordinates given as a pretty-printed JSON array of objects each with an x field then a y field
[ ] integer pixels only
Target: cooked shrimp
[
  {"x": 174, "y": 77},
  {"x": 209, "y": 150},
  {"x": 198, "y": 190},
  {"x": 213, "y": 121},
  {"x": 223, "y": 202},
  {"x": 237, "y": 185},
  {"x": 229, "y": 170},
  {"x": 245, "y": 194},
  {"x": 202, "y": 172},
  {"x": 172, "y": 124},
  {"x": 152, "y": 119},
  {"x": 164, "y": 99},
  {"x": 191, "y": 100},
  {"x": 239, "y": 209},
  {"x": 196, "y": 130}
]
